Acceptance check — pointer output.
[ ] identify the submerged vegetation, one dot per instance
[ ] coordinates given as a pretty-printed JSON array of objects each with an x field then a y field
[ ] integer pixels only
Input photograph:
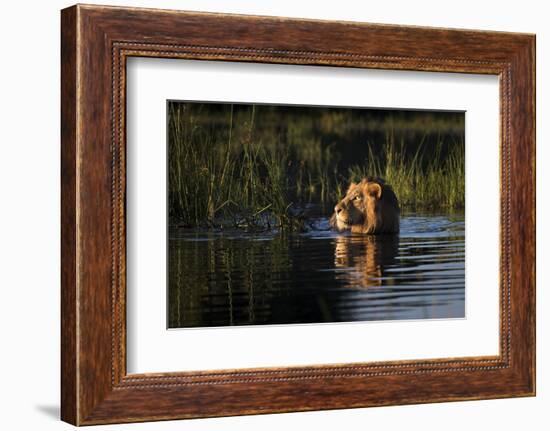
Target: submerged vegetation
[{"x": 260, "y": 166}]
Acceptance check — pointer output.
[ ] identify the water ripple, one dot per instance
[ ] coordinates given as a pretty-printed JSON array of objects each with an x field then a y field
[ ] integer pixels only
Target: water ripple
[{"x": 235, "y": 278}]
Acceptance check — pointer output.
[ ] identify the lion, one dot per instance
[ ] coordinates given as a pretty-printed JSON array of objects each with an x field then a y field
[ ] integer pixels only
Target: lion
[{"x": 369, "y": 207}]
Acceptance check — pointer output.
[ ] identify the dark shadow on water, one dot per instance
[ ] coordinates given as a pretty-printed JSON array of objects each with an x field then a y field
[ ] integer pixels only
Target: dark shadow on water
[{"x": 52, "y": 411}]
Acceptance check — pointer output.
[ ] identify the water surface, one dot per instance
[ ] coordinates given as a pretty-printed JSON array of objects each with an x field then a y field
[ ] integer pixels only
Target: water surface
[{"x": 237, "y": 278}]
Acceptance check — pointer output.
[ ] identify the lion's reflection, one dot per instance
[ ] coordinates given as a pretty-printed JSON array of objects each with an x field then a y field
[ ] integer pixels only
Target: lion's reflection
[{"x": 364, "y": 259}]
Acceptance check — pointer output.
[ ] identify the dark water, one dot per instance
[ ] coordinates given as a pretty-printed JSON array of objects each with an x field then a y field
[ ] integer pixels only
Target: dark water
[{"x": 221, "y": 279}]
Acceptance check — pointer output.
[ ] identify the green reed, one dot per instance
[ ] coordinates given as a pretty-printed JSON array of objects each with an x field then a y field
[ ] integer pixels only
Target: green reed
[
  {"x": 425, "y": 180},
  {"x": 231, "y": 181}
]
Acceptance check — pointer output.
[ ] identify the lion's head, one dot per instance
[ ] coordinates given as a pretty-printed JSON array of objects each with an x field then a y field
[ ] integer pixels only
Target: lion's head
[{"x": 370, "y": 206}]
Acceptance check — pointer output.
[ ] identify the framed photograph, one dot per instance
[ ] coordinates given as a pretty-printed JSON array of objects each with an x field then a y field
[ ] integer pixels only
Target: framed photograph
[{"x": 264, "y": 215}]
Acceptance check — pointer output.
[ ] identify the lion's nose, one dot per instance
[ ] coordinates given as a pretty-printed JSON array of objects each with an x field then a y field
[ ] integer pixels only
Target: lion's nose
[{"x": 338, "y": 209}]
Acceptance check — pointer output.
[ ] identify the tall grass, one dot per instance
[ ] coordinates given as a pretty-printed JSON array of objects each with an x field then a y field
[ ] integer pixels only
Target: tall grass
[
  {"x": 214, "y": 183},
  {"x": 425, "y": 180},
  {"x": 235, "y": 173}
]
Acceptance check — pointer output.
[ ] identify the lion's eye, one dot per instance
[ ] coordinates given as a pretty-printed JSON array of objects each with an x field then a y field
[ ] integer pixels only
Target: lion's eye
[{"x": 357, "y": 198}]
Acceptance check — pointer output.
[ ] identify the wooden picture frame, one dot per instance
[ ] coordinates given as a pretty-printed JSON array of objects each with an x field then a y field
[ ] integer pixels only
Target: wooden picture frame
[{"x": 95, "y": 43}]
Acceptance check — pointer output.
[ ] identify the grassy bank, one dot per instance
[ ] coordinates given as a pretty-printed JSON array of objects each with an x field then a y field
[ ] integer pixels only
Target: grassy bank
[
  {"x": 427, "y": 180},
  {"x": 253, "y": 168},
  {"x": 233, "y": 180}
]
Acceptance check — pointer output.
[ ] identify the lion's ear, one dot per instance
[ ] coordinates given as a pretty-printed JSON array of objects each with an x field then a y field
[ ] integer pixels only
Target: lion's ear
[
  {"x": 351, "y": 185},
  {"x": 375, "y": 190}
]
